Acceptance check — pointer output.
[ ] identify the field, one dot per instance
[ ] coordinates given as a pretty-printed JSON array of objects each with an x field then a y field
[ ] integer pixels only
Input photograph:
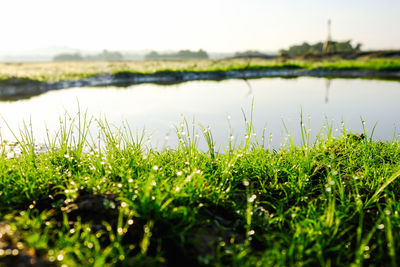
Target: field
[
  {"x": 332, "y": 202},
  {"x": 61, "y": 71}
]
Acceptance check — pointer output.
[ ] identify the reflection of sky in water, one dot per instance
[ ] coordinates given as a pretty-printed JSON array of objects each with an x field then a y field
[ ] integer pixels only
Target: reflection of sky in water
[{"x": 209, "y": 103}]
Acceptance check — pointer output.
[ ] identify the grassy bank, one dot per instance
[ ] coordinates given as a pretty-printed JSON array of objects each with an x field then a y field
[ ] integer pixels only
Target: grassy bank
[
  {"x": 328, "y": 203},
  {"x": 60, "y": 71}
]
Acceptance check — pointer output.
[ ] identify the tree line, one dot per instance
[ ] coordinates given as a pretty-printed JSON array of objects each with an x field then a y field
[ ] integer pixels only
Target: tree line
[
  {"x": 182, "y": 54},
  {"x": 103, "y": 56},
  {"x": 317, "y": 48}
]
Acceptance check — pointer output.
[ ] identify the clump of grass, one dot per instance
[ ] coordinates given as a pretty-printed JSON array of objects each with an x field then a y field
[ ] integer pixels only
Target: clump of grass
[{"x": 330, "y": 202}]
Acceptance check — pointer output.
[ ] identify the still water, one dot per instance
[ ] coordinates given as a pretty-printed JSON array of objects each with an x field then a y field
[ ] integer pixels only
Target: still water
[{"x": 220, "y": 105}]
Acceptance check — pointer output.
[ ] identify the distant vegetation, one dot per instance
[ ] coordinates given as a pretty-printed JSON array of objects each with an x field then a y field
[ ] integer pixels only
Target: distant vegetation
[
  {"x": 250, "y": 53},
  {"x": 103, "y": 56},
  {"x": 182, "y": 54},
  {"x": 68, "y": 57},
  {"x": 61, "y": 71},
  {"x": 315, "y": 49}
]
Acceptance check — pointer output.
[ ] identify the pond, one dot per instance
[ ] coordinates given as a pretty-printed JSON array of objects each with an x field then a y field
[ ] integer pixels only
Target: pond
[{"x": 277, "y": 104}]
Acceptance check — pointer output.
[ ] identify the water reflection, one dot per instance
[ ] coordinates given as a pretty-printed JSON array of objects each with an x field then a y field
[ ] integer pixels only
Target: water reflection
[
  {"x": 155, "y": 108},
  {"x": 327, "y": 86},
  {"x": 250, "y": 92}
]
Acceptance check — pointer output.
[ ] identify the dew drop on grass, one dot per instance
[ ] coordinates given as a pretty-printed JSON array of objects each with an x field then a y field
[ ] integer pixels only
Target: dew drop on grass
[
  {"x": 252, "y": 198},
  {"x": 381, "y": 226},
  {"x": 60, "y": 257},
  {"x": 20, "y": 245}
]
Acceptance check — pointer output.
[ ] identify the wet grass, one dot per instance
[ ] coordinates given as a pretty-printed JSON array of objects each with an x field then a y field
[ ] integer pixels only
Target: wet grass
[
  {"x": 331, "y": 202},
  {"x": 61, "y": 71}
]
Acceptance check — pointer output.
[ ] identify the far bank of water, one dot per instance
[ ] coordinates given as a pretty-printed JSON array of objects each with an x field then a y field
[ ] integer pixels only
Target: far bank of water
[{"x": 277, "y": 102}]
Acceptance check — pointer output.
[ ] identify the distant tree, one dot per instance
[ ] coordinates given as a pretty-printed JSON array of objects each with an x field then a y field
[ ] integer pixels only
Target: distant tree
[
  {"x": 103, "y": 56},
  {"x": 68, "y": 57},
  {"x": 249, "y": 53},
  {"x": 344, "y": 46},
  {"x": 181, "y": 54},
  {"x": 153, "y": 55},
  {"x": 358, "y": 47}
]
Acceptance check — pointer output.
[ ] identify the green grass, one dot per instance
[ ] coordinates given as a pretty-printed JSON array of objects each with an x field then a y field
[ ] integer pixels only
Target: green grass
[
  {"x": 61, "y": 71},
  {"x": 331, "y": 202},
  {"x": 371, "y": 64}
]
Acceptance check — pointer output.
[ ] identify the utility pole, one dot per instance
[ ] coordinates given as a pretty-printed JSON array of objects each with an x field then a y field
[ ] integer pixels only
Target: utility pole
[
  {"x": 328, "y": 44},
  {"x": 329, "y": 31}
]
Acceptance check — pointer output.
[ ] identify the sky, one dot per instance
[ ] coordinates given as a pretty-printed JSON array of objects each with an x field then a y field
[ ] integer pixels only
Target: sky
[{"x": 213, "y": 25}]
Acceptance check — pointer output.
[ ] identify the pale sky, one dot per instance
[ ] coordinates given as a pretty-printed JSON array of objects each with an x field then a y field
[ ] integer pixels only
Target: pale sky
[{"x": 213, "y": 25}]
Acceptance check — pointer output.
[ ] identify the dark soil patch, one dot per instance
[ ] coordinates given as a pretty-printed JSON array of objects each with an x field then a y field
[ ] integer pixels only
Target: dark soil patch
[{"x": 13, "y": 253}]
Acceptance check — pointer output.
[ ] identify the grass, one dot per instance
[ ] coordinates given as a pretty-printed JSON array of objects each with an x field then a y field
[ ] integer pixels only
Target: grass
[
  {"x": 331, "y": 202},
  {"x": 61, "y": 71}
]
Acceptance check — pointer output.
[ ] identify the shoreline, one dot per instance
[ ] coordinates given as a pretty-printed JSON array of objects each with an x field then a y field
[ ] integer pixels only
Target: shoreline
[{"x": 17, "y": 89}]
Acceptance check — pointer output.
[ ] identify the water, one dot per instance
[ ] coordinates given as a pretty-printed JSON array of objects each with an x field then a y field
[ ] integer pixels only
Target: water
[{"x": 277, "y": 103}]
